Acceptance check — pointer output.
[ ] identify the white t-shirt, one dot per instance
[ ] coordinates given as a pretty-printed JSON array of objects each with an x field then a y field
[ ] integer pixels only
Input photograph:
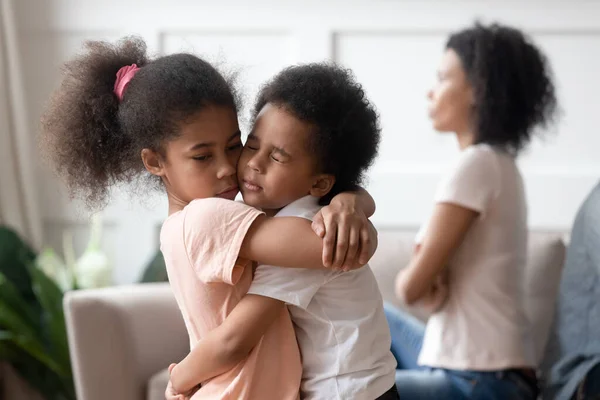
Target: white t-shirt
[
  {"x": 483, "y": 325},
  {"x": 341, "y": 329}
]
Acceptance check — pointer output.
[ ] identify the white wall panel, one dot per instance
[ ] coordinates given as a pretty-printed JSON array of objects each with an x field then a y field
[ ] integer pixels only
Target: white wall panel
[{"x": 392, "y": 45}]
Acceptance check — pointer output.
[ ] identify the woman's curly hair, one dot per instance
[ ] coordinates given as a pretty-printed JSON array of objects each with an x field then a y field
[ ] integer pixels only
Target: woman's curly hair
[{"x": 513, "y": 84}]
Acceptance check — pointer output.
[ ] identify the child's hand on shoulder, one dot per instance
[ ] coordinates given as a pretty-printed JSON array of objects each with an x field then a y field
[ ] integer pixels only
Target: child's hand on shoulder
[{"x": 349, "y": 238}]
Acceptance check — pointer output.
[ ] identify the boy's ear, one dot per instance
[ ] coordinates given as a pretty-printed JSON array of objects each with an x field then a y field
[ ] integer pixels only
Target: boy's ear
[
  {"x": 153, "y": 162},
  {"x": 322, "y": 185}
]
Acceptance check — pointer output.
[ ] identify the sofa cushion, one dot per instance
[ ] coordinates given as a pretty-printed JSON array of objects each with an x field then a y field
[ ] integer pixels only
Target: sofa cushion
[
  {"x": 393, "y": 253},
  {"x": 542, "y": 279},
  {"x": 157, "y": 385}
]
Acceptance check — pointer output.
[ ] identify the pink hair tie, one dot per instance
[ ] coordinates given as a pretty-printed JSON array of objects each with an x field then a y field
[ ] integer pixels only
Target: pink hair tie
[{"x": 124, "y": 76}]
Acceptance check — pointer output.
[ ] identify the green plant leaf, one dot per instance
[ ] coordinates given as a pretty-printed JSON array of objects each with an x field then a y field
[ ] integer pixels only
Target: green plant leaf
[
  {"x": 10, "y": 296},
  {"x": 50, "y": 297},
  {"x": 155, "y": 271},
  {"x": 36, "y": 374},
  {"x": 31, "y": 346},
  {"x": 14, "y": 312},
  {"x": 22, "y": 333},
  {"x": 33, "y": 336},
  {"x": 15, "y": 254}
]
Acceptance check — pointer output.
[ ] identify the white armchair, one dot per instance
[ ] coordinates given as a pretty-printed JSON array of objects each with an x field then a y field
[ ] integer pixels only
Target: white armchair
[{"x": 120, "y": 337}]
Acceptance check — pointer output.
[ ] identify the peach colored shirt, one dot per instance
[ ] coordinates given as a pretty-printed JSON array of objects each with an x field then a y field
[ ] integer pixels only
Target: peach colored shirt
[{"x": 200, "y": 245}]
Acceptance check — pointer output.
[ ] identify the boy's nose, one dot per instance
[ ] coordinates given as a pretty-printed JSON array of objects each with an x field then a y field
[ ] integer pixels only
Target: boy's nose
[{"x": 255, "y": 164}]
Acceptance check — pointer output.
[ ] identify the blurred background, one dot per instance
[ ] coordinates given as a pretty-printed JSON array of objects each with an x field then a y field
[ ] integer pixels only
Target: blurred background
[{"x": 393, "y": 46}]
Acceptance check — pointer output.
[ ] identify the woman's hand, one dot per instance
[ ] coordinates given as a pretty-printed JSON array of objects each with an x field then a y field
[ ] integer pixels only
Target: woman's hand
[
  {"x": 349, "y": 238},
  {"x": 437, "y": 295},
  {"x": 172, "y": 394}
]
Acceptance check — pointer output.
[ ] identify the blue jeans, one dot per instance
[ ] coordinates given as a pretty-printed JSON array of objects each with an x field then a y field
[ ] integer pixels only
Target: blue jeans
[
  {"x": 589, "y": 389},
  {"x": 423, "y": 383}
]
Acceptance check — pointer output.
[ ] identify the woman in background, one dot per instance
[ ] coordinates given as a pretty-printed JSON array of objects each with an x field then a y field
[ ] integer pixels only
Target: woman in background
[{"x": 494, "y": 88}]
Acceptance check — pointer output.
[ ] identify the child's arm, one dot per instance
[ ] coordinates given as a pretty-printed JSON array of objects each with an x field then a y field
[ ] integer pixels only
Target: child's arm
[
  {"x": 360, "y": 199},
  {"x": 228, "y": 344},
  {"x": 290, "y": 242},
  {"x": 350, "y": 238},
  {"x": 231, "y": 230}
]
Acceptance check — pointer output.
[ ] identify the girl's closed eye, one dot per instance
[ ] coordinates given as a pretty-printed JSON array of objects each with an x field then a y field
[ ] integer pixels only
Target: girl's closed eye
[
  {"x": 204, "y": 157},
  {"x": 235, "y": 146}
]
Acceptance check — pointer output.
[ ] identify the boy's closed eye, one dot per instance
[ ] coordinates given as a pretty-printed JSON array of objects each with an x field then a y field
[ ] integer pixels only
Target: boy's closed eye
[
  {"x": 278, "y": 158},
  {"x": 280, "y": 155},
  {"x": 252, "y": 142},
  {"x": 277, "y": 154}
]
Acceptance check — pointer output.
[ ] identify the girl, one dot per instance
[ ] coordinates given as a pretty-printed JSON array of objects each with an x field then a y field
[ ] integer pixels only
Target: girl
[
  {"x": 494, "y": 88},
  {"x": 117, "y": 115}
]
